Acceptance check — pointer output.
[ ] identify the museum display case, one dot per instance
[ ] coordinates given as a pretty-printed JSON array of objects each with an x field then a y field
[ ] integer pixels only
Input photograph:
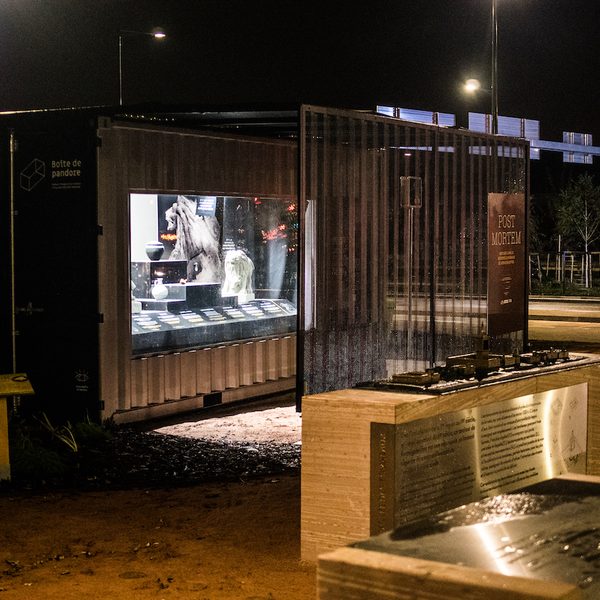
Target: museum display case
[{"x": 210, "y": 269}]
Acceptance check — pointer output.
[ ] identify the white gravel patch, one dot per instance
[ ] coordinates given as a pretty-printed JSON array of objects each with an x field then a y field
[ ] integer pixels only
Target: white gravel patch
[{"x": 281, "y": 425}]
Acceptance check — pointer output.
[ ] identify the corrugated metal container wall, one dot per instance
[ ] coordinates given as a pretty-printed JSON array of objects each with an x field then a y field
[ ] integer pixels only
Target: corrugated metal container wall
[{"x": 143, "y": 158}]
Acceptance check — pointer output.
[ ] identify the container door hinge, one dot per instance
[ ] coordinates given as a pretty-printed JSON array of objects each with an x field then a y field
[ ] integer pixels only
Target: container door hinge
[
  {"x": 100, "y": 317},
  {"x": 99, "y": 230}
]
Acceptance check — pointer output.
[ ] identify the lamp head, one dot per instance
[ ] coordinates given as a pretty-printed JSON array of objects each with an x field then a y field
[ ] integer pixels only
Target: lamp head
[
  {"x": 157, "y": 33},
  {"x": 472, "y": 85}
]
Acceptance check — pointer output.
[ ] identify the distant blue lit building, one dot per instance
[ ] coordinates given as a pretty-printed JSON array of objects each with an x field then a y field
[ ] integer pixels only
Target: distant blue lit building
[{"x": 575, "y": 147}]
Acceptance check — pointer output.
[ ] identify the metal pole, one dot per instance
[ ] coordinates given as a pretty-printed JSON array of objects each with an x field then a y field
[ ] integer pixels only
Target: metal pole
[
  {"x": 13, "y": 310},
  {"x": 120, "y": 69},
  {"x": 494, "y": 69},
  {"x": 409, "y": 286},
  {"x": 302, "y": 285}
]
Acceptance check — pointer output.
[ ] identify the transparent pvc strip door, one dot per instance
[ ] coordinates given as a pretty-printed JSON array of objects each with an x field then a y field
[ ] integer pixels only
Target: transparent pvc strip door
[{"x": 393, "y": 222}]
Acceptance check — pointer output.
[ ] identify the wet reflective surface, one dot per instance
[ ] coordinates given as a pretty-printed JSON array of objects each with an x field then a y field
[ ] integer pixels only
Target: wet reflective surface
[{"x": 540, "y": 536}]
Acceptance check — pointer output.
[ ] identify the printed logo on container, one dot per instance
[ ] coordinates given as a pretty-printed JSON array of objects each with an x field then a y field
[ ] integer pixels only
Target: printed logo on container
[
  {"x": 33, "y": 174},
  {"x": 65, "y": 174},
  {"x": 82, "y": 380}
]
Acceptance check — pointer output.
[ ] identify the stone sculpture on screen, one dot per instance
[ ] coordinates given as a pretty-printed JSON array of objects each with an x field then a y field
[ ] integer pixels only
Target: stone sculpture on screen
[{"x": 197, "y": 241}]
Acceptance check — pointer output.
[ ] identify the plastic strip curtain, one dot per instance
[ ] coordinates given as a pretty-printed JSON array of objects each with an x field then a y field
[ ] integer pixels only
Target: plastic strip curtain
[{"x": 393, "y": 222}]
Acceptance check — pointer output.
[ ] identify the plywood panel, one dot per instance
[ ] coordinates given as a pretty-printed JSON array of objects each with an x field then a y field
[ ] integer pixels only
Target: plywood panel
[
  {"x": 591, "y": 375},
  {"x": 272, "y": 358},
  {"x": 336, "y": 467},
  {"x": 247, "y": 364},
  {"x": 232, "y": 366},
  {"x": 139, "y": 382},
  {"x": 4, "y": 456},
  {"x": 156, "y": 379},
  {"x": 217, "y": 363},
  {"x": 173, "y": 376},
  {"x": 260, "y": 358},
  {"x": 188, "y": 374},
  {"x": 356, "y": 573},
  {"x": 284, "y": 357},
  {"x": 203, "y": 371},
  {"x": 292, "y": 356},
  {"x": 336, "y": 438}
]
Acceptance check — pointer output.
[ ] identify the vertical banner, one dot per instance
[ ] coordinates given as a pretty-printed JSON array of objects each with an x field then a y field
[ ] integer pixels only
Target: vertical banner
[{"x": 506, "y": 263}]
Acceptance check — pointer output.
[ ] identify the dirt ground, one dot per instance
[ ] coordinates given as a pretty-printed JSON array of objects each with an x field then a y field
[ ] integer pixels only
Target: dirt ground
[
  {"x": 238, "y": 539},
  {"x": 210, "y": 541}
]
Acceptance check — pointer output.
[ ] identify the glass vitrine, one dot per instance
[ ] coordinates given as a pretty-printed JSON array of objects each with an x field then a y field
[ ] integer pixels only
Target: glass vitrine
[{"x": 210, "y": 269}]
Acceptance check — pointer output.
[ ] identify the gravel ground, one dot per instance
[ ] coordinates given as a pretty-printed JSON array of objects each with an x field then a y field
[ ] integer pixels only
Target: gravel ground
[
  {"x": 228, "y": 443},
  {"x": 227, "y": 447}
]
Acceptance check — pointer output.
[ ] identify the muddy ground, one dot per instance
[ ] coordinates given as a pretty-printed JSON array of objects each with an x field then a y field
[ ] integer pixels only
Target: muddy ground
[{"x": 165, "y": 516}]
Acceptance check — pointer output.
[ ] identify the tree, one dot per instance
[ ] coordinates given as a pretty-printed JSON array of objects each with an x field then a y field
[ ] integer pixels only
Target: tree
[{"x": 579, "y": 217}]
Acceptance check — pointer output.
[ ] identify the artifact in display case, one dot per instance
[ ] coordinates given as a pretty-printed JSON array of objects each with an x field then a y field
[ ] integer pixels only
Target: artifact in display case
[
  {"x": 224, "y": 269},
  {"x": 156, "y": 329},
  {"x": 160, "y": 284},
  {"x": 238, "y": 276}
]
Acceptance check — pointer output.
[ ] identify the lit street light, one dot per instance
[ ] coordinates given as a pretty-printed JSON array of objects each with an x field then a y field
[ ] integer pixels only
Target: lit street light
[
  {"x": 157, "y": 35},
  {"x": 472, "y": 85}
]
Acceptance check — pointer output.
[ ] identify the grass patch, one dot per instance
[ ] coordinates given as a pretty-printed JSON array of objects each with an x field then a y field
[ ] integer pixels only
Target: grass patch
[{"x": 44, "y": 452}]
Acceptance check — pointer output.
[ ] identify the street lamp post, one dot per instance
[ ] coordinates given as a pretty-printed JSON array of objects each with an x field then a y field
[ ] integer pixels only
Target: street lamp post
[
  {"x": 494, "y": 69},
  {"x": 473, "y": 86},
  {"x": 157, "y": 35}
]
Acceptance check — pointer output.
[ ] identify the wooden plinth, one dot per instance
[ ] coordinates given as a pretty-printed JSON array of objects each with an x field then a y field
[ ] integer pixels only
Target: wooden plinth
[
  {"x": 355, "y": 573},
  {"x": 4, "y": 461},
  {"x": 336, "y": 438},
  {"x": 13, "y": 384}
]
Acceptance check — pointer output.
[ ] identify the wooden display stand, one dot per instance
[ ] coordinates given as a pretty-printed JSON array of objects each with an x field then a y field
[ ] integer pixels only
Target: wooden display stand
[
  {"x": 14, "y": 384},
  {"x": 336, "y": 442},
  {"x": 379, "y": 571},
  {"x": 355, "y": 573}
]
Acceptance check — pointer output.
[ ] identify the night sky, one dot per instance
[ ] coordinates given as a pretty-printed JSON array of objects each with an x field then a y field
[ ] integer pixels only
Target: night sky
[{"x": 412, "y": 53}]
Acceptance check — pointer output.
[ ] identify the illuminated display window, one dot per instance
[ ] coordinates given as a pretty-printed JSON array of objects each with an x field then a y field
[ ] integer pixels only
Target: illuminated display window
[{"x": 210, "y": 269}]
